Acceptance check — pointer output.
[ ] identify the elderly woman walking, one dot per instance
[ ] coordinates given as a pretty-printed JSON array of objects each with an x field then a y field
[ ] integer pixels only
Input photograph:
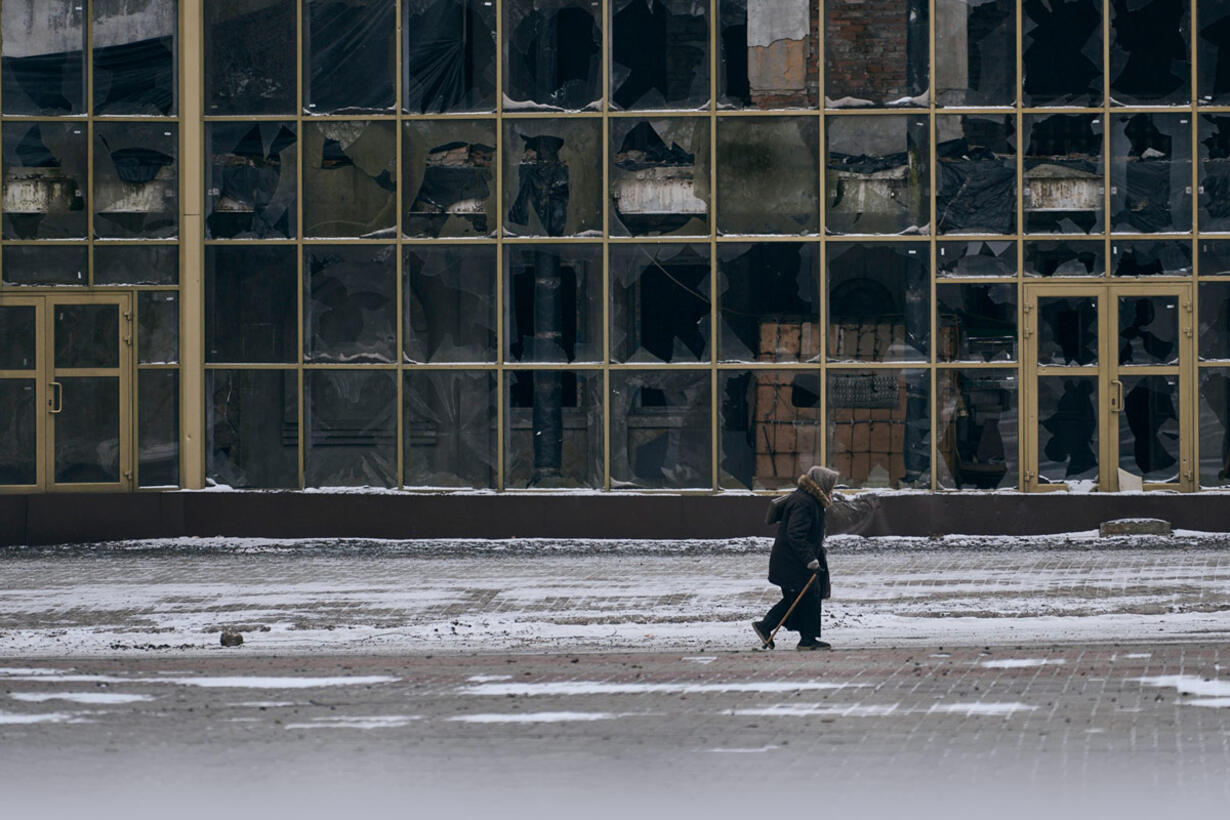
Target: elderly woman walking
[{"x": 798, "y": 563}]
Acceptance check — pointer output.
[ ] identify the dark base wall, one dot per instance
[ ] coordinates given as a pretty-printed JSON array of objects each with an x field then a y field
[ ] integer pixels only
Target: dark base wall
[{"x": 83, "y": 518}]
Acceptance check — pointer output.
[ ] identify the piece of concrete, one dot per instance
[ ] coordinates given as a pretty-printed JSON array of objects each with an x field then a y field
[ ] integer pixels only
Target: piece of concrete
[
  {"x": 231, "y": 639},
  {"x": 1134, "y": 526}
]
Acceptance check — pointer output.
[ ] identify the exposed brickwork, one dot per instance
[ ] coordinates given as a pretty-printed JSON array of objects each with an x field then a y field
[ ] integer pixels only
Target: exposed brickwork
[{"x": 866, "y": 44}]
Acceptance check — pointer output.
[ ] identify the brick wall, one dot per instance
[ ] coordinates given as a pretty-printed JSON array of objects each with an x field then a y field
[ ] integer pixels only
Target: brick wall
[{"x": 866, "y": 49}]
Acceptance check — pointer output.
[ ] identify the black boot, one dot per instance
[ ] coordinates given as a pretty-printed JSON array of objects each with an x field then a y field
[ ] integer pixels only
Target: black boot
[
  {"x": 813, "y": 643},
  {"x": 761, "y": 632}
]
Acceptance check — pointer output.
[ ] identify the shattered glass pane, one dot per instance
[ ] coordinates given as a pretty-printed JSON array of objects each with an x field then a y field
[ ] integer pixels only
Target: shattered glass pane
[
  {"x": 660, "y": 176},
  {"x": 770, "y": 428},
  {"x": 1214, "y": 258},
  {"x": 1067, "y": 433},
  {"x": 1063, "y": 173},
  {"x": 769, "y": 302},
  {"x": 769, "y": 53},
  {"x": 1068, "y": 330},
  {"x": 659, "y": 303},
  {"x": 553, "y": 177},
  {"x": 1149, "y": 427},
  {"x": 250, "y": 57},
  {"x": 1213, "y": 52},
  {"x": 768, "y": 171},
  {"x": 351, "y": 420},
  {"x": 1214, "y": 426},
  {"x": 44, "y": 180},
  {"x": 975, "y": 52},
  {"x": 552, "y": 54},
  {"x": 976, "y": 322},
  {"x": 350, "y": 303},
  {"x": 977, "y": 433},
  {"x": 1214, "y": 172},
  {"x": 552, "y": 303},
  {"x": 876, "y": 53},
  {"x": 19, "y": 453},
  {"x": 134, "y": 56},
  {"x": 1214, "y": 320},
  {"x": 660, "y": 433},
  {"x": 448, "y": 176},
  {"x": 348, "y": 53},
  {"x": 349, "y": 187},
  {"x": 878, "y": 302},
  {"x": 450, "y": 429},
  {"x": 18, "y": 337},
  {"x": 136, "y": 265},
  {"x": 46, "y": 265},
  {"x": 136, "y": 182},
  {"x": 1135, "y": 257},
  {"x": 251, "y": 180},
  {"x": 659, "y": 54},
  {"x": 553, "y": 429},
  {"x": 976, "y": 157},
  {"x": 449, "y": 55},
  {"x": 251, "y": 302},
  {"x": 1151, "y": 173},
  {"x": 158, "y": 428},
  {"x": 879, "y": 177},
  {"x": 86, "y": 335},
  {"x": 1148, "y": 330},
  {"x": 1150, "y": 52},
  {"x": 449, "y": 297},
  {"x": 879, "y": 427},
  {"x": 1062, "y": 258},
  {"x": 975, "y": 258},
  {"x": 43, "y": 56},
  {"x": 157, "y": 327},
  {"x": 1062, "y": 52},
  {"x": 252, "y": 428}
]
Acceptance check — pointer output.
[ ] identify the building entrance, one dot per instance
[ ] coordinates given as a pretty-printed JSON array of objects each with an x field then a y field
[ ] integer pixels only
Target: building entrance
[
  {"x": 65, "y": 372},
  {"x": 1109, "y": 395}
]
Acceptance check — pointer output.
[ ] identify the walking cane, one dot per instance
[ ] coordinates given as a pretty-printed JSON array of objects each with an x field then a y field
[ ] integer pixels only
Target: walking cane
[{"x": 792, "y": 606}]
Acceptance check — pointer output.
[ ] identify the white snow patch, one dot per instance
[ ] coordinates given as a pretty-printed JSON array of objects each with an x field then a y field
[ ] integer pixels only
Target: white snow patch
[
  {"x": 1215, "y": 703},
  {"x": 21, "y": 670},
  {"x": 80, "y": 697},
  {"x": 277, "y": 682},
  {"x": 582, "y": 687},
  {"x": 49, "y": 717},
  {"x": 760, "y": 750},
  {"x": 266, "y": 704},
  {"x": 701, "y": 659},
  {"x": 1214, "y": 693},
  {"x": 1021, "y": 663},
  {"x": 981, "y": 709},
  {"x": 812, "y": 709},
  {"x": 534, "y": 717},
  {"x": 1139, "y": 655},
  {"x": 488, "y": 678},
  {"x": 368, "y": 722}
]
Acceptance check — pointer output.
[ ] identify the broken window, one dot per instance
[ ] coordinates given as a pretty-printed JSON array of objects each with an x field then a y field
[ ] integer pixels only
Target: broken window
[
  {"x": 136, "y": 265},
  {"x": 134, "y": 56},
  {"x": 1068, "y": 330},
  {"x": 553, "y": 429},
  {"x": 878, "y": 179},
  {"x": 1067, "y": 432},
  {"x": 351, "y": 424},
  {"x": 975, "y": 258},
  {"x": 878, "y": 302},
  {"x": 769, "y": 302},
  {"x": 1134, "y": 257},
  {"x": 876, "y": 53},
  {"x": 450, "y": 428},
  {"x": 349, "y": 187},
  {"x": 660, "y": 177},
  {"x": 553, "y": 307},
  {"x": 659, "y": 54},
  {"x": 659, "y": 303},
  {"x": 1213, "y": 52},
  {"x": 350, "y": 303},
  {"x": 1063, "y": 173},
  {"x": 449, "y": 55},
  {"x": 19, "y": 412},
  {"x": 251, "y": 304},
  {"x": 976, "y": 322},
  {"x": 448, "y": 175},
  {"x": 1214, "y": 258},
  {"x": 660, "y": 429},
  {"x": 46, "y": 265},
  {"x": 1214, "y": 172},
  {"x": 975, "y": 52},
  {"x": 769, "y": 54},
  {"x": 770, "y": 428},
  {"x": 158, "y": 428},
  {"x": 552, "y": 54},
  {"x": 1151, "y": 173},
  {"x": 977, "y": 431},
  {"x": 1149, "y": 52},
  {"x": 1061, "y": 56},
  {"x": 879, "y": 427},
  {"x": 768, "y": 171},
  {"x": 44, "y": 180},
  {"x": 43, "y": 64},
  {"x": 976, "y": 157},
  {"x": 449, "y": 294},
  {"x": 136, "y": 182},
  {"x": 252, "y": 180},
  {"x": 252, "y": 428},
  {"x": 157, "y": 327},
  {"x": 348, "y": 53},
  {"x": 1149, "y": 427},
  {"x": 250, "y": 57},
  {"x": 1214, "y": 321},
  {"x": 1214, "y": 426},
  {"x": 1148, "y": 330},
  {"x": 553, "y": 177},
  {"x": 1065, "y": 258}
]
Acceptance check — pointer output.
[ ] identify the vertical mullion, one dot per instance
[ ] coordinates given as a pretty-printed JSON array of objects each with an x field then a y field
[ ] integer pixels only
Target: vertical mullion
[
  {"x": 822, "y": 257},
  {"x": 714, "y": 317},
  {"x": 605, "y": 402},
  {"x": 399, "y": 60},
  {"x": 501, "y": 374},
  {"x": 933, "y": 352},
  {"x": 191, "y": 292},
  {"x": 1107, "y": 422},
  {"x": 300, "y": 103},
  {"x": 1023, "y": 467},
  {"x": 1189, "y": 370}
]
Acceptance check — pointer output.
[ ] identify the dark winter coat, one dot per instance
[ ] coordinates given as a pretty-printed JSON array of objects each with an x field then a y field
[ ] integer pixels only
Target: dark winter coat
[{"x": 800, "y": 539}]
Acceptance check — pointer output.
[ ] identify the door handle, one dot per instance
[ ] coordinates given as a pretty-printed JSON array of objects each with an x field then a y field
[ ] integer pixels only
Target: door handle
[
  {"x": 55, "y": 403},
  {"x": 1116, "y": 398}
]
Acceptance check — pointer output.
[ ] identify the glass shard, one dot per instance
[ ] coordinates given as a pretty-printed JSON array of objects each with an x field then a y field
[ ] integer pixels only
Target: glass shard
[
  {"x": 878, "y": 179},
  {"x": 251, "y": 180},
  {"x": 659, "y": 303},
  {"x": 252, "y": 428},
  {"x": 552, "y": 309},
  {"x": 553, "y": 429},
  {"x": 42, "y": 60},
  {"x": 134, "y": 56},
  {"x": 1150, "y": 48},
  {"x": 879, "y": 424},
  {"x": 976, "y": 322},
  {"x": 553, "y": 177},
  {"x": 348, "y": 53},
  {"x": 450, "y": 313},
  {"x": 44, "y": 180},
  {"x": 878, "y": 302},
  {"x": 1063, "y": 173},
  {"x": 1150, "y": 173},
  {"x": 350, "y": 303},
  {"x": 136, "y": 181},
  {"x": 351, "y": 420},
  {"x": 770, "y": 428},
  {"x": 977, "y": 438},
  {"x": 769, "y": 302},
  {"x": 450, "y": 57},
  {"x": 450, "y": 429},
  {"x": 975, "y": 52},
  {"x": 552, "y": 54},
  {"x": 660, "y": 433},
  {"x": 349, "y": 182},
  {"x": 660, "y": 177},
  {"x": 158, "y": 428},
  {"x": 448, "y": 175},
  {"x": 976, "y": 157},
  {"x": 1062, "y": 52}
]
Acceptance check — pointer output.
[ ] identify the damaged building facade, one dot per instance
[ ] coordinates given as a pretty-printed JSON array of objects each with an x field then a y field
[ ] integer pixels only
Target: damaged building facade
[{"x": 619, "y": 245}]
